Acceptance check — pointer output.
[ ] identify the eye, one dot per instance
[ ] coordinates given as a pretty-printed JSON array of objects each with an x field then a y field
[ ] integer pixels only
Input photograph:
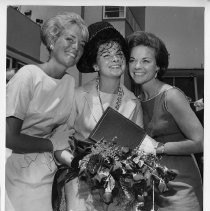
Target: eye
[
  {"x": 146, "y": 61},
  {"x": 105, "y": 55},
  {"x": 131, "y": 60},
  {"x": 69, "y": 39},
  {"x": 82, "y": 44},
  {"x": 121, "y": 54}
]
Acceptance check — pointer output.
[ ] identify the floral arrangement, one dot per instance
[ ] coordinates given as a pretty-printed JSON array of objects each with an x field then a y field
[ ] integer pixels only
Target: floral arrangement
[{"x": 128, "y": 176}]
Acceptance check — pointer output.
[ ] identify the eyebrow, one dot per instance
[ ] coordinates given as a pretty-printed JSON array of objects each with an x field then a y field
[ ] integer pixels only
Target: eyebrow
[
  {"x": 142, "y": 58},
  {"x": 108, "y": 51}
]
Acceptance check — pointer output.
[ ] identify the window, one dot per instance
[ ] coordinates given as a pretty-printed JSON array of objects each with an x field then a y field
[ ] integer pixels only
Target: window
[
  {"x": 188, "y": 84},
  {"x": 19, "y": 64},
  {"x": 13, "y": 63},
  {"x": 110, "y": 12},
  {"x": 9, "y": 63}
]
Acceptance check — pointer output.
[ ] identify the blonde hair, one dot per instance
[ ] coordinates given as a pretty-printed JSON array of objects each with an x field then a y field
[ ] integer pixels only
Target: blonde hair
[{"x": 53, "y": 28}]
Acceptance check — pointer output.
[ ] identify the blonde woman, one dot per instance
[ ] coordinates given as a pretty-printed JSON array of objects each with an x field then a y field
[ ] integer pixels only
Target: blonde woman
[{"x": 39, "y": 98}]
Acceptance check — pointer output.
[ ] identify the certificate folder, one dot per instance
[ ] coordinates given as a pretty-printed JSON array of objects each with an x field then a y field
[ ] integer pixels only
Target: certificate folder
[{"x": 112, "y": 124}]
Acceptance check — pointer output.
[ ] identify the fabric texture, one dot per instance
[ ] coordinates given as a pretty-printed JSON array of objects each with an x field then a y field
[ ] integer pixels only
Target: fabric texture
[
  {"x": 42, "y": 103},
  {"x": 185, "y": 192},
  {"x": 88, "y": 114}
]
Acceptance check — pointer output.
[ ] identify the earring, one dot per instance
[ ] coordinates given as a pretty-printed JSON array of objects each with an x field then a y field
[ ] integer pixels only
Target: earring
[
  {"x": 156, "y": 74},
  {"x": 51, "y": 47},
  {"x": 96, "y": 68}
]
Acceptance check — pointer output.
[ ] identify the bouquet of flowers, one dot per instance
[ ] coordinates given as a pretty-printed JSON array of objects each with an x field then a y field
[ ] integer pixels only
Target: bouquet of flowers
[{"x": 128, "y": 176}]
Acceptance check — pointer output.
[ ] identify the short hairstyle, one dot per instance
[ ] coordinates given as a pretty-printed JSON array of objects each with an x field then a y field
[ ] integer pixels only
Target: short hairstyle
[
  {"x": 53, "y": 28},
  {"x": 152, "y": 41},
  {"x": 100, "y": 33},
  {"x": 103, "y": 40}
]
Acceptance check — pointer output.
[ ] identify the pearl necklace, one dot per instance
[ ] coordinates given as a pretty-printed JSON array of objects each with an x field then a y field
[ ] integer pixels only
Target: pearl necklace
[{"x": 120, "y": 94}]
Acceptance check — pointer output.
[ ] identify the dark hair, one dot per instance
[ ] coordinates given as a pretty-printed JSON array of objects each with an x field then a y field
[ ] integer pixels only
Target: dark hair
[
  {"x": 100, "y": 33},
  {"x": 152, "y": 41},
  {"x": 104, "y": 38}
]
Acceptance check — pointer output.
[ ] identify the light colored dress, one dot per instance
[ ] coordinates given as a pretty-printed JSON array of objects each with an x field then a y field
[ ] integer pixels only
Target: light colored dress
[
  {"x": 43, "y": 103},
  {"x": 186, "y": 190},
  {"x": 88, "y": 113}
]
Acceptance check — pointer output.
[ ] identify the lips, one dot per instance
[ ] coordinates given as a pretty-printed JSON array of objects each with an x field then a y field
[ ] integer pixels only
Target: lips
[
  {"x": 72, "y": 54},
  {"x": 115, "y": 66},
  {"x": 138, "y": 73}
]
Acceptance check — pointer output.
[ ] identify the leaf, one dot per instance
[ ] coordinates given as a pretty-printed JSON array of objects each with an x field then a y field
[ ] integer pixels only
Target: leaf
[
  {"x": 94, "y": 163},
  {"x": 162, "y": 186},
  {"x": 107, "y": 197},
  {"x": 110, "y": 183},
  {"x": 138, "y": 177},
  {"x": 102, "y": 174},
  {"x": 147, "y": 176}
]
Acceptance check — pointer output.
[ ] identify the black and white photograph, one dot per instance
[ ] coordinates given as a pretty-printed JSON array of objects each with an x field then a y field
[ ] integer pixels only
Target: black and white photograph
[{"x": 102, "y": 105}]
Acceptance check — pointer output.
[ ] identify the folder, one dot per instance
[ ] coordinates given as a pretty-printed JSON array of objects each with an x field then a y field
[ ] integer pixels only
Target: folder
[{"x": 112, "y": 124}]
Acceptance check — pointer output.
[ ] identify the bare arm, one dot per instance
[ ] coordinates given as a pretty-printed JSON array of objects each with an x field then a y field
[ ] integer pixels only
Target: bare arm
[
  {"x": 21, "y": 143},
  {"x": 188, "y": 123}
]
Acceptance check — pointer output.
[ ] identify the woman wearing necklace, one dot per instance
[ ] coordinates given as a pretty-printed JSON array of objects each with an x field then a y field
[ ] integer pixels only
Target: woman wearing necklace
[
  {"x": 105, "y": 53},
  {"x": 169, "y": 119}
]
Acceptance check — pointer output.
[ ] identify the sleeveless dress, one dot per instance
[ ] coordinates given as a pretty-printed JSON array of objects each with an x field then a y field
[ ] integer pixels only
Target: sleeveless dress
[
  {"x": 185, "y": 192},
  {"x": 43, "y": 103}
]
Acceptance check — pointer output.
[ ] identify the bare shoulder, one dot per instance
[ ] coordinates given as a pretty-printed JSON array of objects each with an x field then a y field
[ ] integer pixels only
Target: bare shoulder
[
  {"x": 175, "y": 99},
  {"x": 174, "y": 93}
]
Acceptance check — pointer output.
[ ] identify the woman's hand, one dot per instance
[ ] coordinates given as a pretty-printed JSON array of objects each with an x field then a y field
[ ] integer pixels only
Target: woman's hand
[
  {"x": 75, "y": 152},
  {"x": 148, "y": 145},
  {"x": 63, "y": 157}
]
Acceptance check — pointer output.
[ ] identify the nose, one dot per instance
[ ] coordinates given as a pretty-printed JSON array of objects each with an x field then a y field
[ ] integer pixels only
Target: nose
[
  {"x": 115, "y": 58},
  {"x": 138, "y": 64}
]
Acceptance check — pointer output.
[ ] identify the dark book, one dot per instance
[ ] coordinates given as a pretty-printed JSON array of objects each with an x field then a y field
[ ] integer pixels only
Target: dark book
[{"x": 112, "y": 124}]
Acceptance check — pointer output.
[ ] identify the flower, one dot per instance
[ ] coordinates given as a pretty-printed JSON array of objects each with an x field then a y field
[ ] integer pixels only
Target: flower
[{"x": 124, "y": 175}]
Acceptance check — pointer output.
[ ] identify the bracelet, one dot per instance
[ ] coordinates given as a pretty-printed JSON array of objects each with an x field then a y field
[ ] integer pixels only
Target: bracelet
[{"x": 55, "y": 160}]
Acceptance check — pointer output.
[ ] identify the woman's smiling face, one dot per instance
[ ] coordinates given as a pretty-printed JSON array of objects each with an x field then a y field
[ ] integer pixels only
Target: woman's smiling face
[
  {"x": 68, "y": 48},
  {"x": 110, "y": 60},
  {"x": 142, "y": 64}
]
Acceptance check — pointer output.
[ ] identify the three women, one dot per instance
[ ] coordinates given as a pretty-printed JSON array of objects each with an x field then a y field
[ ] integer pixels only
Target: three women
[{"x": 40, "y": 98}]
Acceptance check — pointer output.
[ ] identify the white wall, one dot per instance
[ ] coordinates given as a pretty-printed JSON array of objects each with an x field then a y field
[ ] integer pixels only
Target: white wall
[{"x": 182, "y": 30}]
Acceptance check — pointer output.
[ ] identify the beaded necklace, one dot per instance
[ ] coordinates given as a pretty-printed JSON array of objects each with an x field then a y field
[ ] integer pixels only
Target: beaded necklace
[{"x": 120, "y": 94}]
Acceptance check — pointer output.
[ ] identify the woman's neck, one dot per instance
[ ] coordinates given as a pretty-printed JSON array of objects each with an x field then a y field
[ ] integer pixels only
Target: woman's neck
[
  {"x": 109, "y": 85},
  {"x": 150, "y": 90},
  {"x": 53, "y": 69}
]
